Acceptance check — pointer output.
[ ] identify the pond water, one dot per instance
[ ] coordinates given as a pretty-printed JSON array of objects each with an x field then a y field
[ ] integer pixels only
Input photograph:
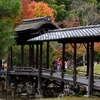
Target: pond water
[{"x": 8, "y": 96}]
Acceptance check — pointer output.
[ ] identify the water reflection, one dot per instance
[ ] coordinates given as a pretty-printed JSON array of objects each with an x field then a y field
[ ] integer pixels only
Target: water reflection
[{"x": 8, "y": 96}]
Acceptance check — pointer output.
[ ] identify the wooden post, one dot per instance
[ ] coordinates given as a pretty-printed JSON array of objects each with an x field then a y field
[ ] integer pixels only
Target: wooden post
[
  {"x": 74, "y": 71},
  {"x": 47, "y": 54},
  {"x": 32, "y": 56},
  {"x": 22, "y": 55},
  {"x": 8, "y": 69},
  {"x": 91, "y": 79},
  {"x": 87, "y": 71},
  {"x": 63, "y": 60},
  {"x": 11, "y": 58},
  {"x": 30, "y": 53},
  {"x": 37, "y": 53},
  {"x": 40, "y": 71},
  {"x": 63, "y": 66}
]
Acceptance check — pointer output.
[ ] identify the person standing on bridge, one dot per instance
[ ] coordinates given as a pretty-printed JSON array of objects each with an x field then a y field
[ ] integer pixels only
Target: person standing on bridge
[{"x": 58, "y": 64}]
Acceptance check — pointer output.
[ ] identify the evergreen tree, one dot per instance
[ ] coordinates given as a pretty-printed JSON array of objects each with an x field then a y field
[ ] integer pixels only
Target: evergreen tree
[{"x": 9, "y": 9}]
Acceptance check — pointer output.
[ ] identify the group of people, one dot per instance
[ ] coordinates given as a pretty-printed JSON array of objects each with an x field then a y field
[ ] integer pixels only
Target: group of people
[{"x": 57, "y": 64}]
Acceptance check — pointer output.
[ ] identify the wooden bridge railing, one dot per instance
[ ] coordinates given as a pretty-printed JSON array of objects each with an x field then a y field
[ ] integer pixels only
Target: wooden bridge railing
[{"x": 52, "y": 71}]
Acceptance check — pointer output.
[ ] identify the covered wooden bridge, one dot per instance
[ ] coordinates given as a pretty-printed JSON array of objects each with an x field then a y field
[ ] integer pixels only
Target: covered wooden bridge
[
  {"x": 87, "y": 35},
  {"x": 37, "y": 31}
]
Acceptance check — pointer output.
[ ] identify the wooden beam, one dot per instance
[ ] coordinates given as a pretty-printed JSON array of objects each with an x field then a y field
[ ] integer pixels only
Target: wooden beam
[
  {"x": 37, "y": 54},
  {"x": 8, "y": 70},
  {"x": 47, "y": 54},
  {"x": 11, "y": 56},
  {"x": 32, "y": 56},
  {"x": 74, "y": 71},
  {"x": 63, "y": 60},
  {"x": 40, "y": 71},
  {"x": 91, "y": 79},
  {"x": 63, "y": 66},
  {"x": 22, "y": 55},
  {"x": 30, "y": 50},
  {"x": 87, "y": 70}
]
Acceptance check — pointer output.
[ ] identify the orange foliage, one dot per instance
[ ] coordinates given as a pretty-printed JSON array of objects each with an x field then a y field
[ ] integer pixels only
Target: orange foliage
[
  {"x": 70, "y": 48},
  {"x": 97, "y": 47},
  {"x": 58, "y": 54},
  {"x": 41, "y": 9},
  {"x": 32, "y": 9},
  {"x": 26, "y": 13}
]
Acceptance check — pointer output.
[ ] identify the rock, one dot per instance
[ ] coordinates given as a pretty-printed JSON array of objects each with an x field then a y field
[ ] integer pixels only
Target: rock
[
  {"x": 37, "y": 96},
  {"x": 62, "y": 95}
]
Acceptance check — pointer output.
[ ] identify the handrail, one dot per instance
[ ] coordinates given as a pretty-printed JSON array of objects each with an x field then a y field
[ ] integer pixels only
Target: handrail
[{"x": 23, "y": 67}]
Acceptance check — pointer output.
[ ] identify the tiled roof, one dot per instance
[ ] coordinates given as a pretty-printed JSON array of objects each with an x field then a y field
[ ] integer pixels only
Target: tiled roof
[
  {"x": 34, "y": 23},
  {"x": 70, "y": 33},
  {"x": 30, "y": 28}
]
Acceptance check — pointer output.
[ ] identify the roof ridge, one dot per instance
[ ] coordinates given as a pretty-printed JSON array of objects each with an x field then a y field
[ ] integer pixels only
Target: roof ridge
[
  {"x": 75, "y": 28},
  {"x": 46, "y": 19}
]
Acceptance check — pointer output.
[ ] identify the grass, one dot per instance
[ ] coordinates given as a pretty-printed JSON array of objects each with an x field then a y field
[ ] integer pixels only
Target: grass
[
  {"x": 96, "y": 69},
  {"x": 72, "y": 98},
  {"x": 82, "y": 70}
]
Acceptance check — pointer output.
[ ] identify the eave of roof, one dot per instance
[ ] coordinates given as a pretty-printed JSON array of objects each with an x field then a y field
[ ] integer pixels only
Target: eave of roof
[
  {"x": 30, "y": 28},
  {"x": 69, "y": 33},
  {"x": 33, "y": 24}
]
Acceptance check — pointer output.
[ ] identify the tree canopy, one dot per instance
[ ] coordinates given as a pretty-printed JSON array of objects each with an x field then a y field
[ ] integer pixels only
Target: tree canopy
[
  {"x": 32, "y": 9},
  {"x": 17, "y": 58},
  {"x": 14, "y": 11},
  {"x": 9, "y": 9}
]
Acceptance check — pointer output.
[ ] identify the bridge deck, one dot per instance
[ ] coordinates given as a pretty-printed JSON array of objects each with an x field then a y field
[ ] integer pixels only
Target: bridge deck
[{"x": 82, "y": 80}]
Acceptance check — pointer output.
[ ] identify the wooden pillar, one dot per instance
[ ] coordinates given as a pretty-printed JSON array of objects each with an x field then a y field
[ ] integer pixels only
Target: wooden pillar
[
  {"x": 40, "y": 71},
  {"x": 63, "y": 57},
  {"x": 47, "y": 54},
  {"x": 63, "y": 66},
  {"x": 32, "y": 56},
  {"x": 74, "y": 70},
  {"x": 87, "y": 71},
  {"x": 91, "y": 79},
  {"x": 37, "y": 54},
  {"x": 8, "y": 69},
  {"x": 11, "y": 57},
  {"x": 22, "y": 55},
  {"x": 30, "y": 53}
]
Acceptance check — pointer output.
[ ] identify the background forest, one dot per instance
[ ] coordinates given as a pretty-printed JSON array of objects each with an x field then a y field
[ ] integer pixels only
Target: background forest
[{"x": 65, "y": 13}]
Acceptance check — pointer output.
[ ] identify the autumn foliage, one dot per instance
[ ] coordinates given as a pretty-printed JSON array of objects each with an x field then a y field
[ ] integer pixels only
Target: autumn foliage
[
  {"x": 32, "y": 9},
  {"x": 69, "y": 48},
  {"x": 97, "y": 47},
  {"x": 41, "y": 9},
  {"x": 26, "y": 12},
  {"x": 68, "y": 24},
  {"x": 58, "y": 54}
]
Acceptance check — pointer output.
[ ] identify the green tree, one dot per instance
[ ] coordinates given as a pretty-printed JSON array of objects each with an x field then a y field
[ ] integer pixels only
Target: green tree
[
  {"x": 65, "y": 2},
  {"x": 91, "y": 1},
  {"x": 60, "y": 11},
  {"x": 83, "y": 10},
  {"x": 9, "y": 9},
  {"x": 98, "y": 1},
  {"x": 17, "y": 55},
  {"x": 51, "y": 53}
]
